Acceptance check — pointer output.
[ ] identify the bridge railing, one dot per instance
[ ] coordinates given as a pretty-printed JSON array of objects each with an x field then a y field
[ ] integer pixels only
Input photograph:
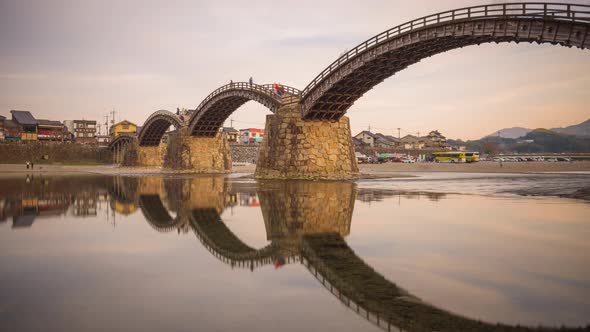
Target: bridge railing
[
  {"x": 552, "y": 11},
  {"x": 288, "y": 89},
  {"x": 239, "y": 86}
]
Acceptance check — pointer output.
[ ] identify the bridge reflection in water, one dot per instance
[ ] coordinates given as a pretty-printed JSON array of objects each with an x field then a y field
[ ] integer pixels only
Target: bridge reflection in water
[{"x": 305, "y": 223}]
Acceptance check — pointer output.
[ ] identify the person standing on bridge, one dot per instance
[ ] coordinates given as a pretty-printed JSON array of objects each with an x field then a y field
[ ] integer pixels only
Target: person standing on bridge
[
  {"x": 277, "y": 89},
  {"x": 251, "y": 81}
]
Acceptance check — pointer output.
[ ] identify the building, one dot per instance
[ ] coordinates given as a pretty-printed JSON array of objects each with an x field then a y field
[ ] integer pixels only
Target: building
[
  {"x": 232, "y": 134},
  {"x": 27, "y": 124},
  {"x": 123, "y": 128},
  {"x": 367, "y": 138},
  {"x": 251, "y": 135},
  {"x": 2, "y": 119},
  {"x": 411, "y": 142},
  {"x": 376, "y": 140},
  {"x": 357, "y": 142},
  {"x": 12, "y": 131},
  {"x": 103, "y": 140},
  {"x": 50, "y": 131},
  {"x": 435, "y": 139},
  {"x": 386, "y": 141},
  {"x": 83, "y": 131}
]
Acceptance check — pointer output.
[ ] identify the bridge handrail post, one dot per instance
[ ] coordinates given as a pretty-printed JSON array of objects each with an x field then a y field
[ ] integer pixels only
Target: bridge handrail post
[{"x": 544, "y": 10}]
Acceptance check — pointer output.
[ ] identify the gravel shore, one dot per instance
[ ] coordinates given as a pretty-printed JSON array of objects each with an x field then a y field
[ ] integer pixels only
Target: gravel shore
[
  {"x": 480, "y": 167},
  {"x": 9, "y": 170}
]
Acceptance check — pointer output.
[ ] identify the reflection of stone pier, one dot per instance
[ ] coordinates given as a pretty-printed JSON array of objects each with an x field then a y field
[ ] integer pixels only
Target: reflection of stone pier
[{"x": 294, "y": 208}]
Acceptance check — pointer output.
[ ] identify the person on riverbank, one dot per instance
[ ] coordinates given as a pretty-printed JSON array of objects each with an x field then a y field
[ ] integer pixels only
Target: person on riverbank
[
  {"x": 28, "y": 164},
  {"x": 32, "y": 165}
]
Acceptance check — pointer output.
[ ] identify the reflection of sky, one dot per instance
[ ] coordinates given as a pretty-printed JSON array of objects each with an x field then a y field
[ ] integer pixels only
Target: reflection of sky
[
  {"x": 75, "y": 274},
  {"x": 509, "y": 260}
]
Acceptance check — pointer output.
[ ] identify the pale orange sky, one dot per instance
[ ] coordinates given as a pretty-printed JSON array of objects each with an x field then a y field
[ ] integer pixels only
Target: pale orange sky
[{"x": 79, "y": 59}]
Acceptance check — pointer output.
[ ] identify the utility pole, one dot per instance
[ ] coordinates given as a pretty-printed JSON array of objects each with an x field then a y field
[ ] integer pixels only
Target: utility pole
[
  {"x": 369, "y": 128},
  {"x": 106, "y": 122},
  {"x": 231, "y": 121},
  {"x": 113, "y": 119},
  {"x": 399, "y": 135}
]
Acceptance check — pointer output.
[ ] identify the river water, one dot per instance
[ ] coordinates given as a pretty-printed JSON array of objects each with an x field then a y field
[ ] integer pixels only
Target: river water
[{"x": 438, "y": 252}]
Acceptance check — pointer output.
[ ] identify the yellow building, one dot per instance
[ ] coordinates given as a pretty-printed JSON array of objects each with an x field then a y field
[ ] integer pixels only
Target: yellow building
[{"x": 123, "y": 128}]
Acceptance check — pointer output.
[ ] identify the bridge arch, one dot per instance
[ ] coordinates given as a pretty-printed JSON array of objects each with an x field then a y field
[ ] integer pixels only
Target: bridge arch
[
  {"x": 156, "y": 213},
  {"x": 210, "y": 115},
  {"x": 120, "y": 142},
  {"x": 155, "y": 127},
  {"x": 220, "y": 241},
  {"x": 337, "y": 87}
]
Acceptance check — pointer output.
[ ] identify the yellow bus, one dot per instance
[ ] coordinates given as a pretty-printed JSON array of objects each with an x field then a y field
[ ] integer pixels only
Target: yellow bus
[
  {"x": 471, "y": 157},
  {"x": 456, "y": 157}
]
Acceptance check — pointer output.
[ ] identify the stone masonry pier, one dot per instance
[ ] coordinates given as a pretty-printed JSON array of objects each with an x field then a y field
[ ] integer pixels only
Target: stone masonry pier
[
  {"x": 206, "y": 154},
  {"x": 198, "y": 154},
  {"x": 295, "y": 148},
  {"x": 152, "y": 156}
]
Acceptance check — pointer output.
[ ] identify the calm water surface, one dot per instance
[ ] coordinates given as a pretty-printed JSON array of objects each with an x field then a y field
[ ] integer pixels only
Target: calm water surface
[{"x": 211, "y": 253}]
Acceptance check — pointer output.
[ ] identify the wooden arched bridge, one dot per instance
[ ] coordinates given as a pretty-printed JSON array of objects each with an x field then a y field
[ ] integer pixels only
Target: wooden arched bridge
[{"x": 308, "y": 136}]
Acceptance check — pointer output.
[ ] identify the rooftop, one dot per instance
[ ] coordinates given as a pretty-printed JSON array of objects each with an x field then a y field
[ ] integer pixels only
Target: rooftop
[
  {"x": 23, "y": 117},
  {"x": 49, "y": 123},
  {"x": 10, "y": 123},
  {"x": 366, "y": 132},
  {"x": 229, "y": 130}
]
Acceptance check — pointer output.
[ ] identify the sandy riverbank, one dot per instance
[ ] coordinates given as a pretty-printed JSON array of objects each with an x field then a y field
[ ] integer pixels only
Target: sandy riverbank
[
  {"x": 480, "y": 167},
  {"x": 9, "y": 170}
]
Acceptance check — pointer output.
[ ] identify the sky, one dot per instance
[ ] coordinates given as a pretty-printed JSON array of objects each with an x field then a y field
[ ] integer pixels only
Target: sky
[{"x": 76, "y": 59}]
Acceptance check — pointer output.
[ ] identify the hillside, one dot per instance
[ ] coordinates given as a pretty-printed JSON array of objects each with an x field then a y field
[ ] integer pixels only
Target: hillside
[
  {"x": 514, "y": 132},
  {"x": 581, "y": 129},
  {"x": 536, "y": 141}
]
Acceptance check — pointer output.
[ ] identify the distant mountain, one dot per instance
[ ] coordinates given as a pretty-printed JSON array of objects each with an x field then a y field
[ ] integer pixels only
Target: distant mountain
[
  {"x": 582, "y": 129},
  {"x": 514, "y": 132},
  {"x": 544, "y": 140}
]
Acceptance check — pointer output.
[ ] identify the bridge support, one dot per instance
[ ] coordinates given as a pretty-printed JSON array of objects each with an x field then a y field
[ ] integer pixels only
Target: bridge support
[
  {"x": 152, "y": 156},
  {"x": 206, "y": 154},
  {"x": 295, "y": 148}
]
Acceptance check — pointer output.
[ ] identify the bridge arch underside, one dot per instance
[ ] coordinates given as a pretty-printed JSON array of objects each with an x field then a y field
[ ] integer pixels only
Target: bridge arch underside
[
  {"x": 119, "y": 142},
  {"x": 213, "y": 114},
  {"x": 155, "y": 127},
  {"x": 224, "y": 244},
  {"x": 156, "y": 213},
  {"x": 334, "y": 95}
]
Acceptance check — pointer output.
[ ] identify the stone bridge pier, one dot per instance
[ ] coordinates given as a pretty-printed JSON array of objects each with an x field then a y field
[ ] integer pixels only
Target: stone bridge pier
[
  {"x": 296, "y": 148},
  {"x": 151, "y": 155},
  {"x": 198, "y": 154}
]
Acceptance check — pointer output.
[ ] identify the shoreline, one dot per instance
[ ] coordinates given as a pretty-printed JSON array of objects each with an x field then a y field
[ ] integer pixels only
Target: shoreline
[{"x": 366, "y": 170}]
